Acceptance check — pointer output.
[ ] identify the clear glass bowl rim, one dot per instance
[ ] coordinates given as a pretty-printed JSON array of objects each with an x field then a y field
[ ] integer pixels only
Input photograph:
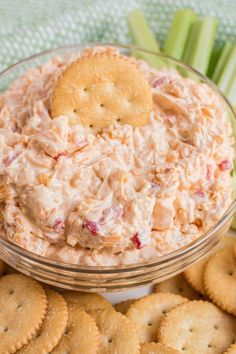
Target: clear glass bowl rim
[{"x": 43, "y": 261}]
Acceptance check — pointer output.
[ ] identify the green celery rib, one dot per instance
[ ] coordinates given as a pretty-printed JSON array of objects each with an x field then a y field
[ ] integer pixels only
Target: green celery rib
[
  {"x": 222, "y": 61},
  {"x": 215, "y": 57},
  {"x": 231, "y": 90},
  {"x": 144, "y": 38},
  {"x": 178, "y": 33},
  {"x": 140, "y": 31},
  {"x": 227, "y": 74},
  {"x": 191, "y": 41},
  {"x": 200, "y": 43},
  {"x": 190, "y": 46}
]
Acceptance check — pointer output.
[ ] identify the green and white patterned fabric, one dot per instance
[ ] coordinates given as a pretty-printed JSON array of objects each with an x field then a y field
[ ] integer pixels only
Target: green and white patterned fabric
[{"x": 30, "y": 26}]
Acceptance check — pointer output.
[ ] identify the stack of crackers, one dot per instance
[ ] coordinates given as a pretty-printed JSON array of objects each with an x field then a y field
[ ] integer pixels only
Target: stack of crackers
[{"x": 194, "y": 312}]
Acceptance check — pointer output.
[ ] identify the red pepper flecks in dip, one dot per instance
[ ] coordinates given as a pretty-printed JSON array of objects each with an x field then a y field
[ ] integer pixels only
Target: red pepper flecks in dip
[
  {"x": 136, "y": 241},
  {"x": 123, "y": 194},
  {"x": 91, "y": 226}
]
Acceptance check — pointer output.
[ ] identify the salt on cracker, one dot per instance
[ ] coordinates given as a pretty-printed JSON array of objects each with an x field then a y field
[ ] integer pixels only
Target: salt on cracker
[
  {"x": 123, "y": 306},
  {"x": 117, "y": 333},
  {"x": 220, "y": 279},
  {"x": 88, "y": 301},
  {"x": 156, "y": 348},
  {"x": 102, "y": 89},
  {"x": 177, "y": 285},
  {"x": 194, "y": 274},
  {"x": 197, "y": 327},
  {"x": 52, "y": 328},
  {"x": 147, "y": 312},
  {"x": 23, "y": 305},
  {"x": 81, "y": 335}
]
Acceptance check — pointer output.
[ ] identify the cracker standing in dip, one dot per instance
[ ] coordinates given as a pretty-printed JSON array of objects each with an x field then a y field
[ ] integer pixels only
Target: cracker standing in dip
[{"x": 121, "y": 194}]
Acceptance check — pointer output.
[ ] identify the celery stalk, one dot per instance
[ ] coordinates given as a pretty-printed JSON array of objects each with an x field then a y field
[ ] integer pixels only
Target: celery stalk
[
  {"x": 200, "y": 43},
  {"x": 231, "y": 90},
  {"x": 222, "y": 61},
  {"x": 178, "y": 33},
  {"x": 144, "y": 38},
  {"x": 227, "y": 74},
  {"x": 191, "y": 41},
  {"x": 215, "y": 57},
  {"x": 140, "y": 31}
]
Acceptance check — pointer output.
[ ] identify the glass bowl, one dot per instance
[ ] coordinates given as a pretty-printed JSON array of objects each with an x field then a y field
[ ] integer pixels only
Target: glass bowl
[{"x": 113, "y": 278}]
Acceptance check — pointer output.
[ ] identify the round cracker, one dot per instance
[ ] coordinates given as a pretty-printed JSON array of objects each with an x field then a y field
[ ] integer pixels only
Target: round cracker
[
  {"x": 101, "y": 89},
  {"x": 117, "y": 332},
  {"x": 156, "y": 348},
  {"x": 231, "y": 349},
  {"x": 147, "y": 312},
  {"x": 197, "y": 327},
  {"x": 123, "y": 306},
  {"x": 88, "y": 301},
  {"x": 23, "y": 305},
  {"x": 177, "y": 285},
  {"x": 194, "y": 274},
  {"x": 52, "y": 328},
  {"x": 81, "y": 335},
  {"x": 220, "y": 279}
]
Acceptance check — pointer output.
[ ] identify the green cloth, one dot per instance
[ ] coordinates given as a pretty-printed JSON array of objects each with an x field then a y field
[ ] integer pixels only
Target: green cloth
[{"x": 30, "y": 26}]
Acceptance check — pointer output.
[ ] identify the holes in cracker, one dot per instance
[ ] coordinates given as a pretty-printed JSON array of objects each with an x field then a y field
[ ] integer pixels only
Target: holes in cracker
[
  {"x": 110, "y": 340},
  {"x": 38, "y": 334},
  {"x": 19, "y": 306},
  {"x": 5, "y": 329},
  {"x": 181, "y": 290},
  {"x": 210, "y": 345},
  {"x": 11, "y": 292},
  {"x": 67, "y": 330},
  {"x": 149, "y": 324},
  {"x": 216, "y": 327},
  {"x": 163, "y": 312},
  {"x": 191, "y": 330},
  {"x": 231, "y": 273},
  {"x": 90, "y": 126},
  {"x": 183, "y": 348},
  {"x": 125, "y": 88}
]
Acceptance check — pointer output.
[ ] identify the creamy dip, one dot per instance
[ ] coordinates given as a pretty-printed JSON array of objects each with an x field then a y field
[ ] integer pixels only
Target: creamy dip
[{"x": 119, "y": 196}]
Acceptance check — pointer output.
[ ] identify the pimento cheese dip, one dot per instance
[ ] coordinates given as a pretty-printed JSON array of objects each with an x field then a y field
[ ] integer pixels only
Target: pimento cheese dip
[{"x": 121, "y": 195}]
